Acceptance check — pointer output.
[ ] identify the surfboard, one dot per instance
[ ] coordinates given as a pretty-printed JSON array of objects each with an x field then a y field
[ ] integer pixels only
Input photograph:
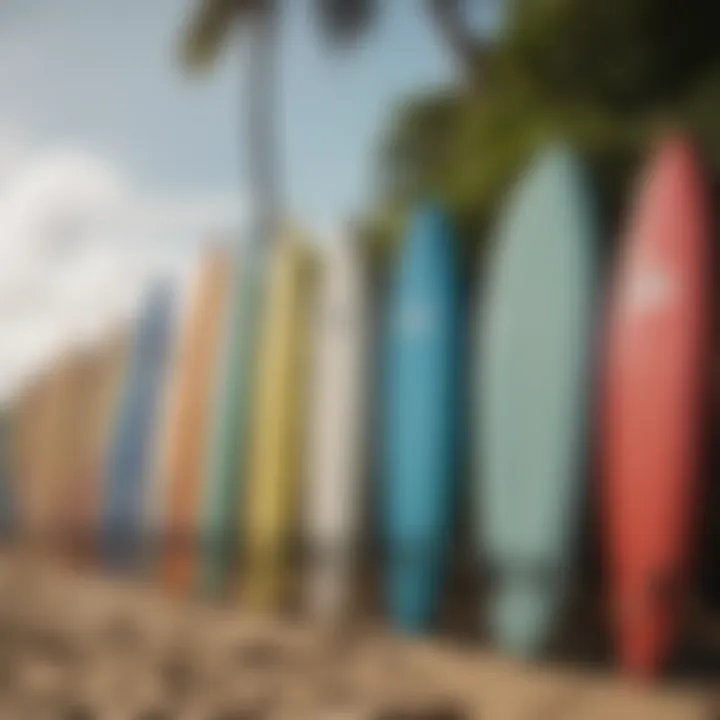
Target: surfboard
[
  {"x": 56, "y": 438},
  {"x": 271, "y": 502},
  {"x": 531, "y": 367},
  {"x": 7, "y": 476},
  {"x": 155, "y": 506},
  {"x": 26, "y": 415},
  {"x": 101, "y": 389},
  {"x": 226, "y": 461},
  {"x": 420, "y": 418},
  {"x": 190, "y": 422},
  {"x": 135, "y": 435},
  {"x": 656, "y": 358},
  {"x": 336, "y": 472},
  {"x": 73, "y": 447}
]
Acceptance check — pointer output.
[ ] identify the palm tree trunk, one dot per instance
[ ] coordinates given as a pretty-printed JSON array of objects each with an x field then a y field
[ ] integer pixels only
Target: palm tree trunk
[{"x": 261, "y": 128}]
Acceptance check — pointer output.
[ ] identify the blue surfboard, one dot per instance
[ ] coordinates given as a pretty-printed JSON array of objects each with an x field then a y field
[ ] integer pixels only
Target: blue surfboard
[
  {"x": 533, "y": 335},
  {"x": 420, "y": 419},
  {"x": 135, "y": 434}
]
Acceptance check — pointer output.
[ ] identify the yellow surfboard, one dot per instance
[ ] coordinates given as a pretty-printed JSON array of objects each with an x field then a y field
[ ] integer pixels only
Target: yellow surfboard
[
  {"x": 270, "y": 503},
  {"x": 189, "y": 423}
]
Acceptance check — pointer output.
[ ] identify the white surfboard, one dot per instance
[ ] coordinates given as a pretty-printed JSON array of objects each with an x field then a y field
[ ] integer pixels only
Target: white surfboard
[{"x": 336, "y": 433}]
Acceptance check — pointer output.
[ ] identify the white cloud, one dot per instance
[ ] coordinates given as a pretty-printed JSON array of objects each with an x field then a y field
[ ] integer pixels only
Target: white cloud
[{"x": 78, "y": 245}]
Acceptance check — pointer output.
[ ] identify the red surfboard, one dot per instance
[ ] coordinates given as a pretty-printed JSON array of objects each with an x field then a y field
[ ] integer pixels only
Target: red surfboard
[{"x": 653, "y": 423}]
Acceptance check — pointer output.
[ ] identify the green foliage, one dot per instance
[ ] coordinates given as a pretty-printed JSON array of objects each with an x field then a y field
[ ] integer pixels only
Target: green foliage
[
  {"x": 212, "y": 23},
  {"x": 625, "y": 54},
  {"x": 606, "y": 76},
  {"x": 344, "y": 20},
  {"x": 209, "y": 28}
]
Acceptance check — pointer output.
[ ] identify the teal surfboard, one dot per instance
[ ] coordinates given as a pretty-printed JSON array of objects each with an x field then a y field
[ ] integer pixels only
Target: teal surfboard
[
  {"x": 228, "y": 447},
  {"x": 533, "y": 328},
  {"x": 420, "y": 428}
]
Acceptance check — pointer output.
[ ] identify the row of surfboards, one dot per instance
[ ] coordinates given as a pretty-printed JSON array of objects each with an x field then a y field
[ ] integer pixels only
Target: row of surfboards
[{"x": 256, "y": 433}]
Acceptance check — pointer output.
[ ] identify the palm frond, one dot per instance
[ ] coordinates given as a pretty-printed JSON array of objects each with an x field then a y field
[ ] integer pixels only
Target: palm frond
[
  {"x": 342, "y": 21},
  {"x": 469, "y": 48},
  {"x": 209, "y": 27}
]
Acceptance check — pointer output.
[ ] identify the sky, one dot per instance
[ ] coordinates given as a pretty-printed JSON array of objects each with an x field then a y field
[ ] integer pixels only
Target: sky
[{"x": 116, "y": 166}]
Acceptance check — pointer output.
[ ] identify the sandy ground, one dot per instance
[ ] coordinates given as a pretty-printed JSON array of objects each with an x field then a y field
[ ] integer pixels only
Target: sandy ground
[{"x": 75, "y": 648}]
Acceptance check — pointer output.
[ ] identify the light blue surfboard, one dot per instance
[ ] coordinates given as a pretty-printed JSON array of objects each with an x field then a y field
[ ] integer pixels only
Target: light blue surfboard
[
  {"x": 533, "y": 328},
  {"x": 421, "y": 406},
  {"x": 136, "y": 435}
]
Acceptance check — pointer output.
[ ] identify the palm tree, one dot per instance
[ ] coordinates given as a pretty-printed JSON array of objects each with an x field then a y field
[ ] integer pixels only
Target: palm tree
[
  {"x": 341, "y": 21},
  {"x": 210, "y": 28}
]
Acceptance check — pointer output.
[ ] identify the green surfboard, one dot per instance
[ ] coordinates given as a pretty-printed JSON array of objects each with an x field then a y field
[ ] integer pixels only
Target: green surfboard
[
  {"x": 531, "y": 367},
  {"x": 228, "y": 449}
]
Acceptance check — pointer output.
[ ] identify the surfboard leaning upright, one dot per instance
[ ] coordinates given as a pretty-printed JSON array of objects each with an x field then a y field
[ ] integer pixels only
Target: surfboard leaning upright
[
  {"x": 420, "y": 407},
  {"x": 136, "y": 430},
  {"x": 7, "y": 478},
  {"x": 655, "y": 382},
  {"x": 227, "y": 459},
  {"x": 54, "y": 446},
  {"x": 333, "y": 498},
  {"x": 190, "y": 425},
  {"x": 271, "y": 500},
  {"x": 531, "y": 369},
  {"x": 112, "y": 360}
]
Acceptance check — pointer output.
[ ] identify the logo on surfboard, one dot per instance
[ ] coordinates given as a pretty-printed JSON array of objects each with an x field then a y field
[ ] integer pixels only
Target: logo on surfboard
[{"x": 652, "y": 291}]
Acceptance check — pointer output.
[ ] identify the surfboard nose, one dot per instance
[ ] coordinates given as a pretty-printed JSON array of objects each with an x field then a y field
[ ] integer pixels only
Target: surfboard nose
[{"x": 676, "y": 154}]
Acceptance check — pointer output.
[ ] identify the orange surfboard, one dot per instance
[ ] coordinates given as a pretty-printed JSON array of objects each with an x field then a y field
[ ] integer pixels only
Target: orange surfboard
[
  {"x": 189, "y": 429},
  {"x": 55, "y": 436}
]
